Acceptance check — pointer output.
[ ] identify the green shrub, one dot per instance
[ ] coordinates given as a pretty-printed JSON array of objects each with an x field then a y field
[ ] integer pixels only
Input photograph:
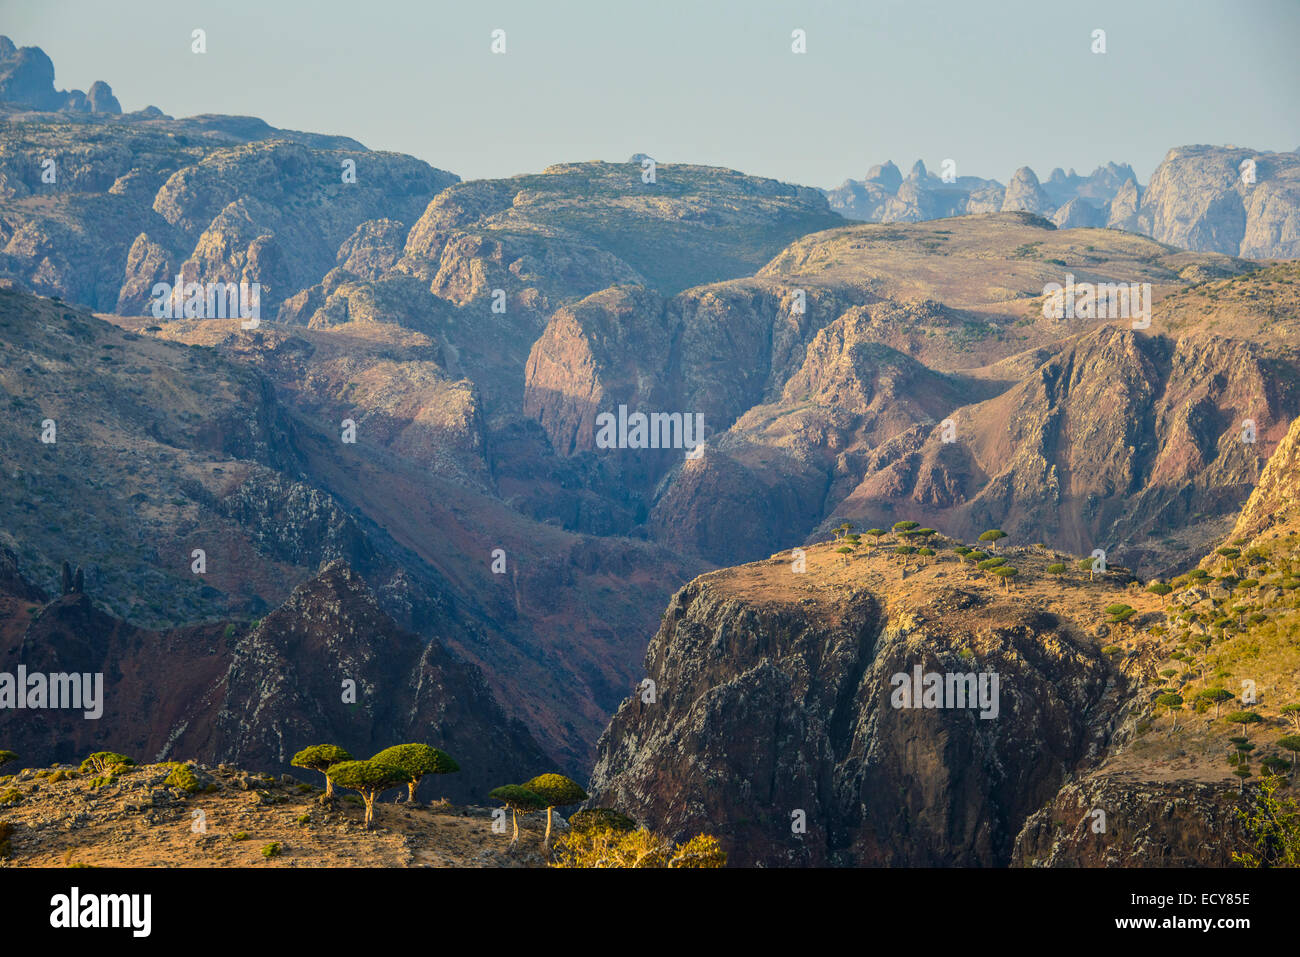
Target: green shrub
[
  {"x": 607, "y": 847},
  {"x": 182, "y": 777},
  {"x": 601, "y": 817},
  {"x": 271, "y": 850},
  {"x": 11, "y": 796},
  {"x": 239, "y": 836}
]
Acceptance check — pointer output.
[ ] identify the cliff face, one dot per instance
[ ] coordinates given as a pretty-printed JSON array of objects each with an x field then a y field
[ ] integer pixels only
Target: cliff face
[
  {"x": 900, "y": 405},
  {"x": 774, "y": 695},
  {"x": 1167, "y": 453},
  {"x": 1201, "y": 198},
  {"x": 1271, "y": 510},
  {"x": 605, "y": 350},
  {"x": 778, "y": 719}
]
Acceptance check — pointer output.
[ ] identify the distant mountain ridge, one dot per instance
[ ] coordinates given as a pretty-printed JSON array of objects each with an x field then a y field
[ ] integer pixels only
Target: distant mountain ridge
[
  {"x": 1224, "y": 199},
  {"x": 27, "y": 79}
]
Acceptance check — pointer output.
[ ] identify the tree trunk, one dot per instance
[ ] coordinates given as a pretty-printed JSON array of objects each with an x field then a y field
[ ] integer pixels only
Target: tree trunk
[
  {"x": 410, "y": 791},
  {"x": 515, "y": 817},
  {"x": 369, "y": 797},
  {"x": 546, "y": 841},
  {"x": 329, "y": 787}
]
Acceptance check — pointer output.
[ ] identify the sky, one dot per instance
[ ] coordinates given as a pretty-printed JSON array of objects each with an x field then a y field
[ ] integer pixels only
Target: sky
[{"x": 990, "y": 85}]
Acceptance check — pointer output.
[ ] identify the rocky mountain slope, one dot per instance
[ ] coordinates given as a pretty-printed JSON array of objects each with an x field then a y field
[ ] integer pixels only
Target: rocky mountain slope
[
  {"x": 255, "y": 694},
  {"x": 854, "y": 427},
  {"x": 216, "y": 460},
  {"x": 66, "y": 819},
  {"x": 776, "y": 714},
  {"x": 99, "y": 206}
]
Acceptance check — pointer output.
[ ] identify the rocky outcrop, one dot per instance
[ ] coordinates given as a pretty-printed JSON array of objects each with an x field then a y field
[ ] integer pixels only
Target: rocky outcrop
[
  {"x": 327, "y": 666},
  {"x": 1140, "y": 824},
  {"x": 884, "y": 196},
  {"x": 773, "y": 711},
  {"x": 373, "y": 248},
  {"x": 788, "y": 455},
  {"x": 1078, "y": 214},
  {"x": 852, "y": 429},
  {"x": 1123, "y": 210},
  {"x": 1167, "y": 455},
  {"x": 1025, "y": 194},
  {"x": 1239, "y": 201},
  {"x": 120, "y": 203},
  {"x": 1274, "y": 505},
  {"x": 886, "y": 176},
  {"x": 232, "y": 208},
  {"x": 1098, "y": 188},
  {"x": 330, "y": 665},
  {"x": 606, "y": 350},
  {"x": 27, "y": 79},
  {"x": 554, "y": 237}
]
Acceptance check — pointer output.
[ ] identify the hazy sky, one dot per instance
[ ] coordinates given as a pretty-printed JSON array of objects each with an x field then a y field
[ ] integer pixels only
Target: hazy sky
[{"x": 993, "y": 85}]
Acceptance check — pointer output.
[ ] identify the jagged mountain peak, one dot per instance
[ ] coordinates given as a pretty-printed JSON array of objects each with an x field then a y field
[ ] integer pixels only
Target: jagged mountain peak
[{"x": 27, "y": 79}]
